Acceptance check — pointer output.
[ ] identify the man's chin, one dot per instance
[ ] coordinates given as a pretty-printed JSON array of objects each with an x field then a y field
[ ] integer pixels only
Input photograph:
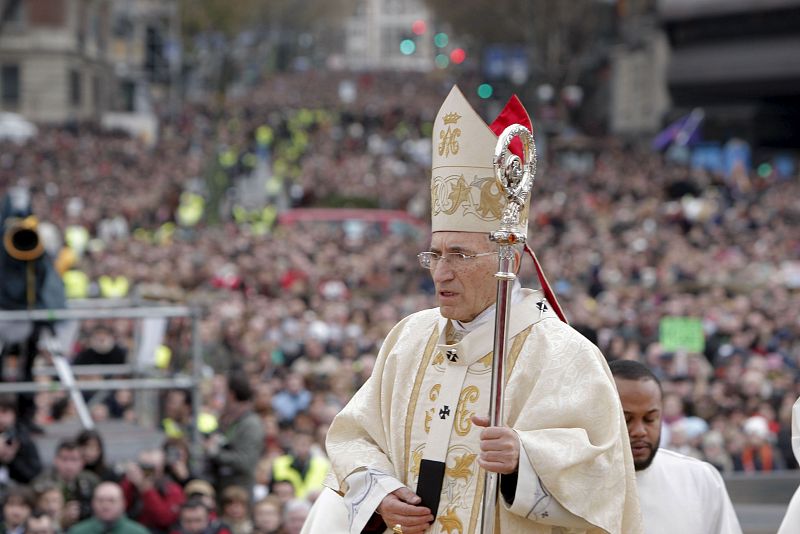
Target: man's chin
[
  {"x": 449, "y": 312},
  {"x": 641, "y": 465}
]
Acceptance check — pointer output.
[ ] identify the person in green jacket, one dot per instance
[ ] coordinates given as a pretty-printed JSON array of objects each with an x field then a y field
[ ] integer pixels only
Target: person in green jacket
[{"x": 108, "y": 514}]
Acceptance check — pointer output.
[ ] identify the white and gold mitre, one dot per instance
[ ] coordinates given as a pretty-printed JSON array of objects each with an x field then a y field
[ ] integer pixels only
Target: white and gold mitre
[{"x": 465, "y": 195}]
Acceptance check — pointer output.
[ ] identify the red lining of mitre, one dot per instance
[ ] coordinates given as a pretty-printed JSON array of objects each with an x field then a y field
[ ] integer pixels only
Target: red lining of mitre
[{"x": 513, "y": 113}]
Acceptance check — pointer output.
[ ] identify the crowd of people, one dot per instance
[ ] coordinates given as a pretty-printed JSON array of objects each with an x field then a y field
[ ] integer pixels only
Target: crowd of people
[{"x": 293, "y": 314}]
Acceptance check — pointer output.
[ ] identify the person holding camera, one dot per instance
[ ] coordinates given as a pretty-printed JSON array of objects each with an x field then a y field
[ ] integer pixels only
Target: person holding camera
[
  {"x": 77, "y": 484},
  {"x": 177, "y": 464},
  {"x": 234, "y": 450},
  {"x": 19, "y": 457},
  {"x": 152, "y": 498}
]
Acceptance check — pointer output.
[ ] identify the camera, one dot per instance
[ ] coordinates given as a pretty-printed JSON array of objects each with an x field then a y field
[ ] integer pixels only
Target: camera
[
  {"x": 9, "y": 436},
  {"x": 147, "y": 469}
]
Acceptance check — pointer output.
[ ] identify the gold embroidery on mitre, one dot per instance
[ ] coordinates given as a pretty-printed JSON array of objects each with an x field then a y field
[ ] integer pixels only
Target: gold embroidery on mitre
[
  {"x": 451, "y": 118},
  {"x": 448, "y": 140},
  {"x": 492, "y": 200},
  {"x": 463, "y": 424},
  {"x": 459, "y": 195},
  {"x": 462, "y": 467},
  {"x": 450, "y": 522}
]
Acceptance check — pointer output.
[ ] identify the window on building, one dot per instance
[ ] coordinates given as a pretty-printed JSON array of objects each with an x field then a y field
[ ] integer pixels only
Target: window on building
[
  {"x": 127, "y": 94},
  {"x": 12, "y": 13},
  {"x": 9, "y": 79},
  {"x": 75, "y": 87},
  {"x": 97, "y": 93}
]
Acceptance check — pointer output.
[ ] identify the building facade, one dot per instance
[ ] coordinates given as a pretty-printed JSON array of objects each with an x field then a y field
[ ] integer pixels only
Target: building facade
[
  {"x": 79, "y": 60},
  {"x": 54, "y": 63},
  {"x": 377, "y": 29}
]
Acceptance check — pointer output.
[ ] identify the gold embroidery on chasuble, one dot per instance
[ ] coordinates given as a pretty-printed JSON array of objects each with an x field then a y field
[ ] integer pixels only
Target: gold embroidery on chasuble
[
  {"x": 462, "y": 486},
  {"x": 462, "y": 423},
  {"x": 450, "y": 522},
  {"x": 412, "y": 403},
  {"x": 462, "y": 467},
  {"x": 416, "y": 459},
  {"x": 433, "y": 395}
]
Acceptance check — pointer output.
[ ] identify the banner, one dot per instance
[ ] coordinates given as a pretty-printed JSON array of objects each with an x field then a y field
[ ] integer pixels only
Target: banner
[{"x": 681, "y": 333}]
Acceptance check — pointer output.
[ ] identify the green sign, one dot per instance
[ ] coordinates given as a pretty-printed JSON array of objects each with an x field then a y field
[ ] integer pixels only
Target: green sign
[{"x": 681, "y": 333}]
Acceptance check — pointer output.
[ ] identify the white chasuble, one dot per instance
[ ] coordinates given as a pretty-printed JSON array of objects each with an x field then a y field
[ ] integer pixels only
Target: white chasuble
[{"x": 559, "y": 398}]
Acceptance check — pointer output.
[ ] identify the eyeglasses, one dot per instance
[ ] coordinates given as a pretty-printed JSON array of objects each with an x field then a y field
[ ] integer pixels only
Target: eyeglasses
[{"x": 429, "y": 260}]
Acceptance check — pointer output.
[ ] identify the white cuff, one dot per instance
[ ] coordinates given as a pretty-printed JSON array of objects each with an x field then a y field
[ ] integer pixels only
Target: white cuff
[
  {"x": 365, "y": 491},
  {"x": 532, "y": 500}
]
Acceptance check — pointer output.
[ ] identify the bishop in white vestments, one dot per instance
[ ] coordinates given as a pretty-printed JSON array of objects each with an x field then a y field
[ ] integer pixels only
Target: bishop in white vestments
[{"x": 411, "y": 449}]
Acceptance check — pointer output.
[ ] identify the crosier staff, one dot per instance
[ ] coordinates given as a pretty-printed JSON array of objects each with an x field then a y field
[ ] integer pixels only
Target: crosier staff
[{"x": 515, "y": 176}]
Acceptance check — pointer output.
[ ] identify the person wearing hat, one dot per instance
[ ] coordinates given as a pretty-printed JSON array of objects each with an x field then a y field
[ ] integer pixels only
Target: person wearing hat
[
  {"x": 677, "y": 493},
  {"x": 410, "y": 450}
]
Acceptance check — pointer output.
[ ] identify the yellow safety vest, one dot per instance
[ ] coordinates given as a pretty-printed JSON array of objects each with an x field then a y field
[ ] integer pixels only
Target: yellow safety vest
[
  {"x": 190, "y": 210},
  {"x": 315, "y": 476},
  {"x": 116, "y": 287},
  {"x": 76, "y": 284}
]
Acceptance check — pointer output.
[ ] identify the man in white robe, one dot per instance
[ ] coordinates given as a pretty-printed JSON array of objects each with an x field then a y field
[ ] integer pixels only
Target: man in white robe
[
  {"x": 677, "y": 493},
  {"x": 791, "y": 521},
  {"x": 411, "y": 449}
]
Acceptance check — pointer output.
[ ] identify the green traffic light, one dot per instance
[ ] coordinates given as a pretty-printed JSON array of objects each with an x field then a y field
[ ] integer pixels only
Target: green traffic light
[{"x": 407, "y": 47}]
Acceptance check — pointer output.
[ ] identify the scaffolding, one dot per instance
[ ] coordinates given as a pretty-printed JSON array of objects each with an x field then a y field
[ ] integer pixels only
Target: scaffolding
[{"x": 101, "y": 309}]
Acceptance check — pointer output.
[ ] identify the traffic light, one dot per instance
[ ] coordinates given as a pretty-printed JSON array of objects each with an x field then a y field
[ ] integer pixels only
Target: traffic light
[
  {"x": 485, "y": 90},
  {"x": 407, "y": 47}
]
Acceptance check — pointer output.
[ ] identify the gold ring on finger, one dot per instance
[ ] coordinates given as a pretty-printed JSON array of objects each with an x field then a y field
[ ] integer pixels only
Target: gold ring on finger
[{"x": 398, "y": 529}]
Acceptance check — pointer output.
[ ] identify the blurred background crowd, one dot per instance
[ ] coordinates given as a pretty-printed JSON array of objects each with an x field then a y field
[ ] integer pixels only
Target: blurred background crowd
[{"x": 213, "y": 209}]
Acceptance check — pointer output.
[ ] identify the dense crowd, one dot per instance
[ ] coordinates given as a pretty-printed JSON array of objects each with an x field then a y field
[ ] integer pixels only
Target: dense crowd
[{"x": 293, "y": 315}]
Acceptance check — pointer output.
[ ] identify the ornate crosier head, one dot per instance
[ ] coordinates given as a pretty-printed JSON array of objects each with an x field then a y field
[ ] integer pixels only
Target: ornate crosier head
[{"x": 515, "y": 174}]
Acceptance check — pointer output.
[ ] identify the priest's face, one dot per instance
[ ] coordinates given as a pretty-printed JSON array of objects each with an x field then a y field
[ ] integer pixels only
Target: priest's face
[
  {"x": 464, "y": 288},
  {"x": 641, "y": 403}
]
